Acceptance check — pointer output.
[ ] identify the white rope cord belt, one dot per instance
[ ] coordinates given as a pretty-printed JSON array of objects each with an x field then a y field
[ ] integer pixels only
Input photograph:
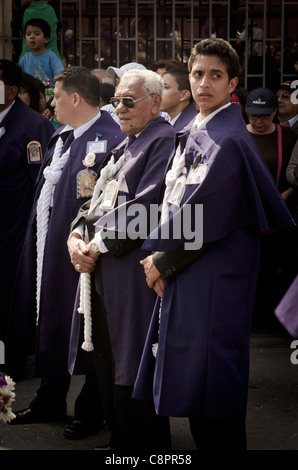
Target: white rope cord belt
[
  {"x": 171, "y": 178},
  {"x": 106, "y": 175},
  {"x": 52, "y": 174}
]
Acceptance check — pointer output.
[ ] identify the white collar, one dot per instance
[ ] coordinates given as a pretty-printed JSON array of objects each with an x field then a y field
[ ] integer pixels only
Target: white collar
[
  {"x": 5, "y": 111},
  {"x": 83, "y": 128},
  {"x": 172, "y": 122},
  {"x": 199, "y": 124},
  {"x": 293, "y": 120}
]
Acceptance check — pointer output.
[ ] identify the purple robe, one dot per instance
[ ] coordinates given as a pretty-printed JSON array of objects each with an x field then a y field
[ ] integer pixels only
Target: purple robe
[
  {"x": 59, "y": 278},
  {"x": 128, "y": 300},
  {"x": 188, "y": 114},
  {"x": 202, "y": 362},
  {"x": 287, "y": 310},
  {"x": 17, "y": 179}
]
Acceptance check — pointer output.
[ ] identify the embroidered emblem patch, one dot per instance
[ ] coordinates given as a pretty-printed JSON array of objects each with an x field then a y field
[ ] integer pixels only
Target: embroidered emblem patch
[
  {"x": 34, "y": 152},
  {"x": 86, "y": 180}
]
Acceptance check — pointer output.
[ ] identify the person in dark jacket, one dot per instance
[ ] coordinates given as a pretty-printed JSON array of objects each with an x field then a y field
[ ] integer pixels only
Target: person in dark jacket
[
  {"x": 46, "y": 282},
  {"x": 177, "y": 98},
  {"x": 120, "y": 305},
  {"x": 220, "y": 195},
  {"x": 24, "y": 135}
]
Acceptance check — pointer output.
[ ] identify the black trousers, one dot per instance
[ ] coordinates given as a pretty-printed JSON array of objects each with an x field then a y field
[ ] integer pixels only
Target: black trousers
[
  {"x": 218, "y": 434},
  {"x": 133, "y": 423},
  {"x": 51, "y": 398}
]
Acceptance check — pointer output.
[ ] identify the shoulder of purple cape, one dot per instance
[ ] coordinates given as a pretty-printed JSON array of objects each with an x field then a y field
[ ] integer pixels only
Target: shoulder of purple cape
[
  {"x": 238, "y": 191},
  {"x": 21, "y": 112},
  {"x": 187, "y": 116},
  {"x": 159, "y": 127}
]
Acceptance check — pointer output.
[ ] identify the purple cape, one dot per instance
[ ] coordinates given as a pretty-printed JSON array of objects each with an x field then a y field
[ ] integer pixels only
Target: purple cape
[
  {"x": 128, "y": 300},
  {"x": 202, "y": 362},
  {"x": 187, "y": 115},
  {"x": 59, "y": 278},
  {"x": 287, "y": 309},
  {"x": 17, "y": 179}
]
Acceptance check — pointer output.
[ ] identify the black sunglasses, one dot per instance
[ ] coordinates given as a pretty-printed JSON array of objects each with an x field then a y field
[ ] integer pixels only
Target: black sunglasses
[{"x": 127, "y": 101}]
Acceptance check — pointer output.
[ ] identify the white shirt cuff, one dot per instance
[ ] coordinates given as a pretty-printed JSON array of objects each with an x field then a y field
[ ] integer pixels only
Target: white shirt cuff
[{"x": 102, "y": 247}]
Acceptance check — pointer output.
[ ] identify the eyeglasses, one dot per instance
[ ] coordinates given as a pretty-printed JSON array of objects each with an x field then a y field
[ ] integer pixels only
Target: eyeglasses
[
  {"x": 127, "y": 101},
  {"x": 284, "y": 96},
  {"x": 254, "y": 117}
]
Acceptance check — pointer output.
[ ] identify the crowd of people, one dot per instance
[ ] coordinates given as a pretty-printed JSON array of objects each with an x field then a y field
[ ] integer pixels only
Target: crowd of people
[{"x": 155, "y": 310}]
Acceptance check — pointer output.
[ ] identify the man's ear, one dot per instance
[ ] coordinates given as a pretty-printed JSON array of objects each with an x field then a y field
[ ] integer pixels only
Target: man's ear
[
  {"x": 233, "y": 83},
  {"x": 156, "y": 102},
  {"x": 76, "y": 99},
  {"x": 13, "y": 92},
  {"x": 184, "y": 95},
  {"x": 47, "y": 40}
]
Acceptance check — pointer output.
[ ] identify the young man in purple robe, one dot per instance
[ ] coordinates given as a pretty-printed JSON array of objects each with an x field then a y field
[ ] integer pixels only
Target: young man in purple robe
[
  {"x": 177, "y": 98},
  {"x": 46, "y": 282},
  {"x": 121, "y": 302},
  {"x": 24, "y": 135},
  {"x": 196, "y": 360}
]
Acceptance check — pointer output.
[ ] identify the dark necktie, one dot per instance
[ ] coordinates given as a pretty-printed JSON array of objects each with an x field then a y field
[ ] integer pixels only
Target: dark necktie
[
  {"x": 130, "y": 141},
  {"x": 67, "y": 138}
]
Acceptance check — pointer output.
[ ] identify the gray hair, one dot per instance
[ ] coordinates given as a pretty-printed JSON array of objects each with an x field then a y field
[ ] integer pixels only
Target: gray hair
[{"x": 152, "y": 82}]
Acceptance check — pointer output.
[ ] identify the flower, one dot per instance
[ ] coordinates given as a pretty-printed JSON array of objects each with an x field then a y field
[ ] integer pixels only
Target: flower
[
  {"x": 7, "y": 397},
  {"x": 2, "y": 380}
]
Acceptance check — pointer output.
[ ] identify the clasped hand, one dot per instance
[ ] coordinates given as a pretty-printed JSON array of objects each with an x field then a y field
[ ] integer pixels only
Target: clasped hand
[
  {"x": 81, "y": 256},
  {"x": 153, "y": 276}
]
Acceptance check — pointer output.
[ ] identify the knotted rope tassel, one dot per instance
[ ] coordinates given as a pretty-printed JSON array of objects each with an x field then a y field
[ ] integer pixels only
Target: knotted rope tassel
[
  {"x": 106, "y": 175},
  {"x": 171, "y": 178},
  {"x": 52, "y": 174}
]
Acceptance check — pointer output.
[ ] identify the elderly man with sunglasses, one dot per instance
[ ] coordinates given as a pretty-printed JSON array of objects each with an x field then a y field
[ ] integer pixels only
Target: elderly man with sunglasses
[{"x": 108, "y": 257}]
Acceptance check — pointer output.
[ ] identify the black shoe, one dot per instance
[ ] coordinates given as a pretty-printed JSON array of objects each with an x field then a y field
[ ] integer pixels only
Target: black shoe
[
  {"x": 28, "y": 416},
  {"x": 111, "y": 445},
  {"x": 80, "y": 429},
  {"x": 106, "y": 447}
]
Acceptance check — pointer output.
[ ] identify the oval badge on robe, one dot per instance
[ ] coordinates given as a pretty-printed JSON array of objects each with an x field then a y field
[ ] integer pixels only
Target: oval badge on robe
[
  {"x": 34, "y": 152},
  {"x": 89, "y": 160}
]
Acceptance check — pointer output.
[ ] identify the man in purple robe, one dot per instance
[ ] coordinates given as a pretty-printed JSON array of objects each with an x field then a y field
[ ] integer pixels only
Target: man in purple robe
[
  {"x": 221, "y": 195},
  {"x": 24, "y": 135},
  {"x": 46, "y": 283},
  {"x": 177, "y": 98},
  {"x": 121, "y": 302}
]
